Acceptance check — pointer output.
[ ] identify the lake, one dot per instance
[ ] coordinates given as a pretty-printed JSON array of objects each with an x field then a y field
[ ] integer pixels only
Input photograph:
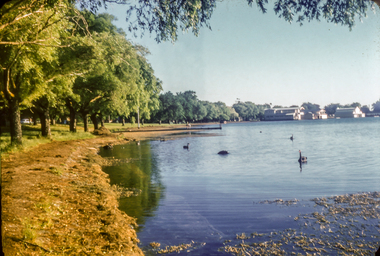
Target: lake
[{"x": 200, "y": 196}]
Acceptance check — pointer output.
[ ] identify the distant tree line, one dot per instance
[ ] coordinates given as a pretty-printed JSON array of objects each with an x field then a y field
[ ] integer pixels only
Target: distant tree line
[{"x": 185, "y": 107}]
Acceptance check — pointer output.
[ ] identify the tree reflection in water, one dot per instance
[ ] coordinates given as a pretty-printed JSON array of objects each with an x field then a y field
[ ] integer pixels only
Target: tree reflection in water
[{"x": 141, "y": 173}]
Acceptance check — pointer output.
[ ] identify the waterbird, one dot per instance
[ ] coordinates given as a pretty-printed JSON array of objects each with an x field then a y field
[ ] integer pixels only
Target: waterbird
[
  {"x": 291, "y": 137},
  {"x": 223, "y": 152},
  {"x": 187, "y": 146},
  {"x": 108, "y": 146},
  {"x": 138, "y": 143},
  {"x": 302, "y": 159}
]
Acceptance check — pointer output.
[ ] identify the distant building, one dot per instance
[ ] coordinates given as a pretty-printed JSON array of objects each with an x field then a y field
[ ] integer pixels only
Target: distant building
[
  {"x": 349, "y": 113},
  {"x": 372, "y": 114},
  {"x": 320, "y": 114},
  {"x": 308, "y": 116},
  {"x": 278, "y": 114}
]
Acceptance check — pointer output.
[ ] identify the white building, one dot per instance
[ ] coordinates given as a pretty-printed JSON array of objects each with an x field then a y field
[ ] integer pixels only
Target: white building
[
  {"x": 277, "y": 114},
  {"x": 320, "y": 114},
  {"x": 349, "y": 113}
]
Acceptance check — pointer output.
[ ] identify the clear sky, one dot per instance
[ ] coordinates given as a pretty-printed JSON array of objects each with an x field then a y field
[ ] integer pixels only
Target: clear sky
[{"x": 261, "y": 58}]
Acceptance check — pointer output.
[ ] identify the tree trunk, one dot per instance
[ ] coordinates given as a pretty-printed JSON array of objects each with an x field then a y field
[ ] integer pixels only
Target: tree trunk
[
  {"x": 15, "y": 122},
  {"x": 13, "y": 104},
  {"x": 45, "y": 123},
  {"x": 35, "y": 116},
  {"x": 42, "y": 108},
  {"x": 123, "y": 122},
  {"x": 73, "y": 120},
  {"x": 85, "y": 121},
  {"x": 101, "y": 120},
  {"x": 52, "y": 121},
  {"x": 94, "y": 121}
]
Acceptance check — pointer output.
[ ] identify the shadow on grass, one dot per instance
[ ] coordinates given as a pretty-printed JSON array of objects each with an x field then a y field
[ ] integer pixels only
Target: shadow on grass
[{"x": 31, "y": 137}]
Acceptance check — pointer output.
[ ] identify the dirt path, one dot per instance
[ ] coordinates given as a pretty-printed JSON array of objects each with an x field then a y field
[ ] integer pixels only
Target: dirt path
[{"x": 57, "y": 200}]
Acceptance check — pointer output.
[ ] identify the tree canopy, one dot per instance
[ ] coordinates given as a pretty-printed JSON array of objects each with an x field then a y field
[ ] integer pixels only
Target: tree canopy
[
  {"x": 167, "y": 18},
  {"x": 54, "y": 55}
]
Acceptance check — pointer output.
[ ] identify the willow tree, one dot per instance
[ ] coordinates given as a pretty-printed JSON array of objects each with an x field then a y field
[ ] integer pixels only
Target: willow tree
[
  {"x": 145, "y": 100},
  {"x": 167, "y": 18}
]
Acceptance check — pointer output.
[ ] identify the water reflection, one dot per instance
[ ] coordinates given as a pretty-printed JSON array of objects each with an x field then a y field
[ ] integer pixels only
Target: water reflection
[{"x": 141, "y": 174}]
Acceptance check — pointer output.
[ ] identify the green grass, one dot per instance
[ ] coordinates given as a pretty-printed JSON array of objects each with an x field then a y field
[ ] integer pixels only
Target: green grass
[
  {"x": 31, "y": 137},
  {"x": 56, "y": 171},
  {"x": 28, "y": 232}
]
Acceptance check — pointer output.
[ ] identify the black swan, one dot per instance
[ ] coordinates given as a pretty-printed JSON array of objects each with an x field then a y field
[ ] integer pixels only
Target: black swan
[
  {"x": 291, "y": 138},
  {"x": 302, "y": 159},
  {"x": 223, "y": 152},
  {"x": 108, "y": 146},
  {"x": 187, "y": 146}
]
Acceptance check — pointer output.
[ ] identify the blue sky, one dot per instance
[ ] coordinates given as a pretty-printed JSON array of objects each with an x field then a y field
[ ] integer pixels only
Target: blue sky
[{"x": 261, "y": 58}]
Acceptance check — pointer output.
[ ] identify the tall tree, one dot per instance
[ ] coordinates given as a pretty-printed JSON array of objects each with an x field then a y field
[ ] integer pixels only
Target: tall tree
[
  {"x": 310, "y": 107},
  {"x": 331, "y": 108},
  {"x": 376, "y": 106}
]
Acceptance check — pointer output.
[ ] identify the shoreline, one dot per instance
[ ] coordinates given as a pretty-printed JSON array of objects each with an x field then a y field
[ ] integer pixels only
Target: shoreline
[{"x": 56, "y": 199}]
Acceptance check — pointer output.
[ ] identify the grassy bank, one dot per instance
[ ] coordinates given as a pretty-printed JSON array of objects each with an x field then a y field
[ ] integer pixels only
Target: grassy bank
[
  {"x": 56, "y": 200},
  {"x": 31, "y": 134}
]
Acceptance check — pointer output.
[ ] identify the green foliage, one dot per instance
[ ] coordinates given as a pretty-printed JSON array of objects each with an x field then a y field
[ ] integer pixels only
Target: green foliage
[
  {"x": 167, "y": 18},
  {"x": 310, "y": 107},
  {"x": 185, "y": 106},
  {"x": 28, "y": 232},
  {"x": 32, "y": 138},
  {"x": 376, "y": 106},
  {"x": 331, "y": 108},
  {"x": 247, "y": 110},
  {"x": 352, "y": 105},
  {"x": 119, "y": 80},
  {"x": 365, "y": 109}
]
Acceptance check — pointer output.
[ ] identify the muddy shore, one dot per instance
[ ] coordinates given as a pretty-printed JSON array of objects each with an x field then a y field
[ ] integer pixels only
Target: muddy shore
[{"x": 57, "y": 200}]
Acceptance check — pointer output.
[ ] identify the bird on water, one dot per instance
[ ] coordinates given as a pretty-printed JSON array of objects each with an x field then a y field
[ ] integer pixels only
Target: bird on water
[
  {"x": 186, "y": 146},
  {"x": 302, "y": 159},
  {"x": 291, "y": 137}
]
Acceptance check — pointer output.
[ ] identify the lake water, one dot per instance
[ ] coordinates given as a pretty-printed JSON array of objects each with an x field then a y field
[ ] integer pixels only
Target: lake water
[{"x": 198, "y": 195}]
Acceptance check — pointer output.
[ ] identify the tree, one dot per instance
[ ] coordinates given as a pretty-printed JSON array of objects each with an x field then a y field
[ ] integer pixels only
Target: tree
[
  {"x": 170, "y": 108},
  {"x": 189, "y": 102},
  {"x": 310, "y": 107},
  {"x": 353, "y": 105},
  {"x": 167, "y": 18},
  {"x": 376, "y": 106},
  {"x": 247, "y": 110},
  {"x": 365, "y": 109},
  {"x": 234, "y": 116},
  {"x": 331, "y": 108},
  {"x": 150, "y": 86}
]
